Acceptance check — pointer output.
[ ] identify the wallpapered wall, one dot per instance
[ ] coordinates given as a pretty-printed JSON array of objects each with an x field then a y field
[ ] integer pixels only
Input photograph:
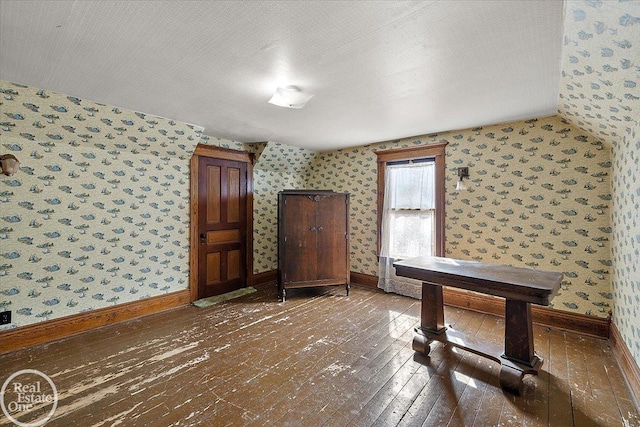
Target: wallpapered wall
[
  {"x": 540, "y": 198},
  {"x": 98, "y": 213},
  {"x": 600, "y": 92},
  {"x": 278, "y": 167}
]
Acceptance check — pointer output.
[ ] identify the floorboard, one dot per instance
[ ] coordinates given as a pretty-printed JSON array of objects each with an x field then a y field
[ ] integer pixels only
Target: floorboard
[{"x": 319, "y": 359}]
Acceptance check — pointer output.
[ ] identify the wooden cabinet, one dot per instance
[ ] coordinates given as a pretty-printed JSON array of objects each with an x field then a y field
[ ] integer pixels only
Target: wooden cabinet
[{"x": 313, "y": 239}]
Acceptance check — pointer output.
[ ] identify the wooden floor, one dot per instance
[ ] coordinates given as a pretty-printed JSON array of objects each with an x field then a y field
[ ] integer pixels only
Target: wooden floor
[{"x": 319, "y": 359}]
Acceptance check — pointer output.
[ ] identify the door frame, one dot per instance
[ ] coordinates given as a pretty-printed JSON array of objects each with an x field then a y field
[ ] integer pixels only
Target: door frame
[{"x": 203, "y": 150}]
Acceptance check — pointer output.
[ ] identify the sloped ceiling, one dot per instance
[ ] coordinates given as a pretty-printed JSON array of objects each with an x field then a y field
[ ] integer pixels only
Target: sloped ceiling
[{"x": 379, "y": 70}]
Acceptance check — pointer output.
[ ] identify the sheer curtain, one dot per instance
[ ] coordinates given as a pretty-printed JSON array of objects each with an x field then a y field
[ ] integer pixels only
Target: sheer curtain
[{"x": 407, "y": 223}]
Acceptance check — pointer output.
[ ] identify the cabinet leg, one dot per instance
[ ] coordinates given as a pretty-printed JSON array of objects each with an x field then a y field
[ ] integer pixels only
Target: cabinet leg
[
  {"x": 348, "y": 287},
  {"x": 283, "y": 295}
]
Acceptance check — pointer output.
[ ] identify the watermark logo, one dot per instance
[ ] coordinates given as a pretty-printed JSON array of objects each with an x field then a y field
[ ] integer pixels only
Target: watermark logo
[{"x": 29, "y": 395}]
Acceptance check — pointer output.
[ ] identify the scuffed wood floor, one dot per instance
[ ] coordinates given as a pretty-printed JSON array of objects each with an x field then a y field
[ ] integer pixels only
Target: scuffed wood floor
[{"x": 321, "y": 358}]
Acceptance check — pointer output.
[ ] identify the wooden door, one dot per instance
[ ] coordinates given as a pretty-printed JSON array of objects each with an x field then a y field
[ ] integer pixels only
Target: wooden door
[
  {"x": 331, "y": 224},
  {"x": 222, "y": 225},
  {"x": 300, "y": 249}
]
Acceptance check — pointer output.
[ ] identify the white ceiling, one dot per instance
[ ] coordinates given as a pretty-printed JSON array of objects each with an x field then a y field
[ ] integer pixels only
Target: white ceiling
[{"x": 379, "y": 70}]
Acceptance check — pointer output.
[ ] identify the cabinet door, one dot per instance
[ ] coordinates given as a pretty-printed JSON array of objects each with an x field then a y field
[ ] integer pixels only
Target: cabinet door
[
  {"x": 299, "y": 244},
  {"x": 331, "y": 223}
]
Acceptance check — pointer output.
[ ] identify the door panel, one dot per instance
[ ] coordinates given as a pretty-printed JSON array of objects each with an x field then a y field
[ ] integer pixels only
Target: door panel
[
  {"x": 233, "y": 196},
  {"x": 222, "y": 230},
  {"x": 300, "y": 252},
  {"x": 213, "y": 189},
  {"x": 332, "y": 235},
  {"x": 223, "y": 236},
  {"x": 213, "y": 268},
  {"x": 234, "y": 266}
]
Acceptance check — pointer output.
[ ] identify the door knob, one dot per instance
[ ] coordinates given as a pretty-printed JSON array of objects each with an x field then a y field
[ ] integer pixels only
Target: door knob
[
  {"x": 312, "y": 229},
  {"x": 320, "y": 228}
]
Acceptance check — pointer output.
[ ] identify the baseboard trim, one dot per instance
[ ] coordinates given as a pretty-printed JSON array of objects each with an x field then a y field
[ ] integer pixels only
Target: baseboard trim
[
  {"x": 51, "y": 330},
  {"x": 365, "y": 280},
  {"x": 575, "y": 322},
  {"x": 26, "y": 336},
  {"x": 628, "y": 365},
  {"x": 265, "y": 277},
  {"x": 584, "y": 324}
]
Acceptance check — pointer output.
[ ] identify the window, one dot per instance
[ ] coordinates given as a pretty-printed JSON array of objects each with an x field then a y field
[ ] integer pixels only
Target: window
[{"x": 410, "y": 210}]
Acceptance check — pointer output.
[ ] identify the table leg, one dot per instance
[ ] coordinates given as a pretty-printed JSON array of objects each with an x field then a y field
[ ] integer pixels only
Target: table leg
[
  {"x": 431, "y": 317},
  {"x": 519, "y": 355},
  {"x": 518, "y": 332},
  {"x": 432, "y": 312}
]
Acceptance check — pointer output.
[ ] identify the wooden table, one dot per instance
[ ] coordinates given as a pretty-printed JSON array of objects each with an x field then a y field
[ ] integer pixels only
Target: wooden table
[{"x": 521, "y": 287}]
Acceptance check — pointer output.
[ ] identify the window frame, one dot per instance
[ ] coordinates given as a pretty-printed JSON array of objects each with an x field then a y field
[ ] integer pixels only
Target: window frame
[{"x": 436, "y": 151}]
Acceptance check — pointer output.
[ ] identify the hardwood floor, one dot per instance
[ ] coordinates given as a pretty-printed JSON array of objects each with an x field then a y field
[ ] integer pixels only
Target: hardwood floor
[{"x": 319, "y": 359}]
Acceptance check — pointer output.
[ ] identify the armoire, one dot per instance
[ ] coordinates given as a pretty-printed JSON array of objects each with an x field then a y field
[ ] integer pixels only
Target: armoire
[{"x": 313, "y": 239}]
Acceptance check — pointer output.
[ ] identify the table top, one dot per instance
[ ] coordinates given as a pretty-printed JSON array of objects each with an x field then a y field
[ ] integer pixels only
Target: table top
[{"x": 523, "y": 284}]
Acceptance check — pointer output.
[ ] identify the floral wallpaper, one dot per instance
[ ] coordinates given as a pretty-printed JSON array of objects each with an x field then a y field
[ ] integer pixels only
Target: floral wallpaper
[
  {"x": 354, "y": 171},
  {"x": 225, "y": 143},
  {"x": 600, "y": 93},
  {"x": 98, "y": 214},
  {"x": 540, "y": 198}
]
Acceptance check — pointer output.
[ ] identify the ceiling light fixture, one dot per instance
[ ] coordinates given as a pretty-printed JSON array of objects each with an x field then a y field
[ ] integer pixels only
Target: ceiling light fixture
[{"x": 290, "y": 97}]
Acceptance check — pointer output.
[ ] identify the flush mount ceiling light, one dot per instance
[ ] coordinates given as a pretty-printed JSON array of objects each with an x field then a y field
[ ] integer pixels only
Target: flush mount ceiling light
[{"x": 290, "y": 97}]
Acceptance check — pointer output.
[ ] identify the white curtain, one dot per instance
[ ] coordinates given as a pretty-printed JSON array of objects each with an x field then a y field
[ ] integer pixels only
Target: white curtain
[{"x": 407, "y": 223}]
